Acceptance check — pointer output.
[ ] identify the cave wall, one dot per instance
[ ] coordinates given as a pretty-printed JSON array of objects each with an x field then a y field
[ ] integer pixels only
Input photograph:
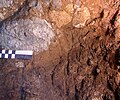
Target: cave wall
[{"x": 76, "y": 46}]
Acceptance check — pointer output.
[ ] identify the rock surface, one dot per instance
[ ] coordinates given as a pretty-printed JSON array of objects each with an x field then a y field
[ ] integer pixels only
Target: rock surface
[
  {"x": 26, "y": 34},
  {"x": 6, "y": 3},
  {"x": 77, "y": 44}
]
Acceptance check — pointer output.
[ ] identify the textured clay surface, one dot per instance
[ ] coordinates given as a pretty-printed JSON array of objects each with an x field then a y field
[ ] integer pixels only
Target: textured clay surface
[{"x": 76, "y": 47}]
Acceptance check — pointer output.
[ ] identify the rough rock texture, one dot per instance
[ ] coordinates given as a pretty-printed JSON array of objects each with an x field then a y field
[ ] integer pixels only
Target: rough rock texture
[
  {"x": 29, "y": 34},
  {"x": 6, "y": 3},
  {"x": 80, "y": 55}
]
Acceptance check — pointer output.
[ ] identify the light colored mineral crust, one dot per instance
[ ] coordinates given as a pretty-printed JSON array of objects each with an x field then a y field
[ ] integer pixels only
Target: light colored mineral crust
[
  {"x": 69, "y": 8},
  {"x": 81, "y": 16},
  {"x": 60, "y": 18},
  {"x": 6, "y": 3},
  {"x": 26, "y": 34}
]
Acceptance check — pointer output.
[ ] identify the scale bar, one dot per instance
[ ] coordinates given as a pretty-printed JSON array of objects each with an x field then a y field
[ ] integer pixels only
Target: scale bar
[{"x": 16, "y": 54}]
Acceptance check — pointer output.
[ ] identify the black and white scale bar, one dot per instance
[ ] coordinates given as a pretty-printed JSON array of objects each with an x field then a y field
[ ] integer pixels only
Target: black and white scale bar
[{"x": 16, "y": 54}]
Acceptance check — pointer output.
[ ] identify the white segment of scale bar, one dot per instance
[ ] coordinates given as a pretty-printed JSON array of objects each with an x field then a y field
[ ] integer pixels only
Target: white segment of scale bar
[{"x": 24, "y": 52}]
